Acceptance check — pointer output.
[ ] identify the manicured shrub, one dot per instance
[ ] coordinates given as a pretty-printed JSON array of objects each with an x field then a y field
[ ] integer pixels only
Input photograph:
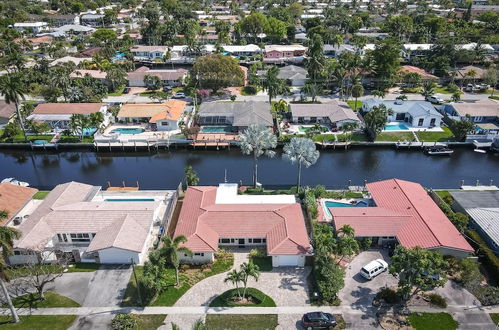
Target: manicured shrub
[
  {"x": 258, "y": 253},
  {"x": 470, "y": 276},
  {"x": 437, "y": 300},
  {"x": 124, "y": 322},
  {"x": 365, "y": 243},
  {"x": 250, "y": 90},
  {"x": 311, "y": 205}
]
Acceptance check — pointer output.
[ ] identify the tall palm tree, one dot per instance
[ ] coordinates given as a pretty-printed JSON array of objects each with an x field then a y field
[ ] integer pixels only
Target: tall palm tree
[
  {"x": 7, "y": 237},
  {"x": 357, "y": 91},
  {"x": 274, "y": 85},
  {"x": 303, "y": 152},
  {"x": 12, "y": 88},
  {"x": 349, "y": 127},
  {"x": 346, "y": 230},
  {"x": 428, "y": 89},
  {"x": 249, "y": 270},
  {"x": 257, "y": 140},
  {"x": 235, "y": 278},
  {"x": 171, "y": 249}
]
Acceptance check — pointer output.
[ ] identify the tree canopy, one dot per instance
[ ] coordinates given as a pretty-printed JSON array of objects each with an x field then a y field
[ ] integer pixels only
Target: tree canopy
[{"x": 216, "y": 71}]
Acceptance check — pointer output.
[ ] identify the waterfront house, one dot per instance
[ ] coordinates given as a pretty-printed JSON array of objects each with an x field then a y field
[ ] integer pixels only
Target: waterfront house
[
  {"x": 242, "y": 50},
  {"x": 168, "y": 77},
  {"x": 160, "y": 116},
  {"x": 13, "y": 199},
  {"x": 213, "y": 217},
  {"x": 31, "y": 27},
  {"x": 483, "y": 209},
  {"x": 280, "y": 54},
  {"x": 333, "y": 113},
  {"x": 484, "y": 113},
  {"x": 405, "y": 213},
  {"x": 419, "y": 114},
  {"x": 58, "y": 115},
  {"x": 238, "y": 115},
  {"x": 7, "y": 113},
  {"x": 150, "y": 53},
  {"x": 82, "y": 223}
]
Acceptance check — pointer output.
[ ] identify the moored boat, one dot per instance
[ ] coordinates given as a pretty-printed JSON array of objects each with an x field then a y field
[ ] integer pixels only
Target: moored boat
[{"x": 438, "y": 151}]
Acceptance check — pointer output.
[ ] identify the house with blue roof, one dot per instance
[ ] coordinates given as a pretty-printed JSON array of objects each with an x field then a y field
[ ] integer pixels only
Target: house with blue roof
[{"x": 418, "y": 114}]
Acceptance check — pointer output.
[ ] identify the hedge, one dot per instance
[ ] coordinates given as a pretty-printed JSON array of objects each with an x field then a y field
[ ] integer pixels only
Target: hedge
[{"x": 485, "y": 254}]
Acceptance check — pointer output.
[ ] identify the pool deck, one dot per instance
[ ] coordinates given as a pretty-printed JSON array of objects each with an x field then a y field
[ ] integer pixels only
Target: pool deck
[
  {"x": 323, "y": 216},
  {"x": 411, "y": 128}
]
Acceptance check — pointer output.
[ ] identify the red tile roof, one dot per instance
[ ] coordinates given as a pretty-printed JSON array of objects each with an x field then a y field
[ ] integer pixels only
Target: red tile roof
[
  {"x": 13, "y": 198},
  {"x": 67, "y": 108},
  {"x": 404, "y": 210},
  {"x": 203, "y": 222}
]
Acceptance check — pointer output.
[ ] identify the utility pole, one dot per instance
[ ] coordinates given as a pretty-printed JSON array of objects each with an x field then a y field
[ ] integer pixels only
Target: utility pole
[{"x": 136, "y": 282}]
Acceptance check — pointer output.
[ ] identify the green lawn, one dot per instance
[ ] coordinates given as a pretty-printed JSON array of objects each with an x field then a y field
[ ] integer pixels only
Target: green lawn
[
  {"x": 353, "y": 194},
  {"x": 226, "y": 299},
  {"x": 83, "y": 267},
  {"x": 241, "y": 321},
  {"x": 149, "y": 322},
  {"x": 31, "y": 300},
  {"x": 494, "y": 317},
  {"x": 446, "y": 135},
  {"x": 264, "y": 263},
  {"x": 351, "y": 104},
  {"x": 75, "y": 139},
  {"x": 431, "y": 321},
  {"x": 119, "y": 91},
  {"x": 443, "y": 193},
  {"x": 442, "y": 90},
  {"x": 38, "y": 322},
  {"x": 41, "y": 195},
  {"x": 395, "y": 136},
  {"x": 15, "y": 272},
  {"x": 188, "y": 278}
]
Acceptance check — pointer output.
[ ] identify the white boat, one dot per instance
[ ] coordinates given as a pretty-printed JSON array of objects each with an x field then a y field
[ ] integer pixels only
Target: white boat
[
  {"x": 438, "y": 150},
  {"x": 15, "y": 182},
  {"x": 480, "y": 151}
]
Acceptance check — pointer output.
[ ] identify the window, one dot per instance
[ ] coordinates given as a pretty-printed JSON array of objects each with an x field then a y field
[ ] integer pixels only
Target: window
[
  {"x": 264, "y": 240},
  {"x": 59, "y": 237},
  {"x": 164, "y": 123},
  {"x": 432, "y": 122},
  {"x": 199, "y": 254},
  {"x": 17, "y": 253},
  {"x": 256, "y": 240},
  {"x": 80, "y": 237},
  {"x": 421, "y": 121},
  {"x": 224, "y": 240},
  {"x": 65, "y": 237}
]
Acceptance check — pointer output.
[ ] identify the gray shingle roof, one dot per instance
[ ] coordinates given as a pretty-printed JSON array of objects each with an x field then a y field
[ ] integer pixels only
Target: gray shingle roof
[
  {"x": 476, "y": 199},
  {"x": 334, "y": 111},
  {"x": 244, "y": 113},
  {"x": 414, "y": 108},
  {"x": 488, "y": 220}
]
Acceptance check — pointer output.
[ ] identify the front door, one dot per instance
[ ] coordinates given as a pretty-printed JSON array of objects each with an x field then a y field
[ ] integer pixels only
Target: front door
[{"x": 241, "y": 242}]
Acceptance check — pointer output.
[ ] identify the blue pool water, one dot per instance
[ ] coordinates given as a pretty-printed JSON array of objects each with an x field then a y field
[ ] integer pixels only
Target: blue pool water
[
  {"x": 396, "y": 127},
  {"x": 216, "y": 129},
  {"x": 129, "y": 200},
  {"x": 39, "y": 142},
  {"x": 128, "y": 130},
  {"x": 89, "y": 131},
  {"x": 329, "y": 204}
]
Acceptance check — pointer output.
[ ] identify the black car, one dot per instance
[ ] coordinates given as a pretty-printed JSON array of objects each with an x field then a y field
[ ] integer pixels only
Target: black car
[
  {"x": 318, "y": 320},
  {"x": 126, "y": 90}
]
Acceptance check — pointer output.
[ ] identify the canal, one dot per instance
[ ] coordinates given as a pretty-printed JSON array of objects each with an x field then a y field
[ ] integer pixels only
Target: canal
[{"x": 165, "y": 169}]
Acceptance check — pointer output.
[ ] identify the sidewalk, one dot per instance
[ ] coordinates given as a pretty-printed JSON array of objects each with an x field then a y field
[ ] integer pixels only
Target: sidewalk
[{"x": 458, "y": 309}]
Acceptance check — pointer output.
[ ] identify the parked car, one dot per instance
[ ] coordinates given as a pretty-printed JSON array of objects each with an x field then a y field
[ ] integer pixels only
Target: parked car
[
  {"x": 126, "y": 90},
  {"x": 178, "y": 95},
  {"x": 167, "y": 89},
  {"x": 373, "y": 269},
  {"x": 318, "y": 320},
  {"x": 469, "y": 88},
  {"x": 434, "y": 99}
]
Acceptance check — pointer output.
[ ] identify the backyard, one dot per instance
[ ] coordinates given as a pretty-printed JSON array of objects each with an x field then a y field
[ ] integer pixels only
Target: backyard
[
  {"x": 395, "y": 136},
  {"x": 444, "y": 136}
]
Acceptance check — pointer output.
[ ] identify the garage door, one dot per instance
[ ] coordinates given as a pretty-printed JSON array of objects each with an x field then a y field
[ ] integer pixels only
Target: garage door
[{"x": 288, "y": 260}]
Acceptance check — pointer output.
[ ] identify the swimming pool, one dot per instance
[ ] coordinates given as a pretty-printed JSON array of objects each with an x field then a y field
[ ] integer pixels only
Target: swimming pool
[
  {"x": 129, "y": 200},
  {"x": 89, "y": 131},
  {"x": 396, "y": 127},
  {"x": 328, "y": 204},
  {"x": 216, "y": 129},
  {"x": 39, "y": 142},
  {"x": 128, "y": 130}
]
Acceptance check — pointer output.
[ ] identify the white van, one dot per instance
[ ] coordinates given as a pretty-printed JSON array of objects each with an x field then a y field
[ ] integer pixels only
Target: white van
[{"x": 374, "y": 268}]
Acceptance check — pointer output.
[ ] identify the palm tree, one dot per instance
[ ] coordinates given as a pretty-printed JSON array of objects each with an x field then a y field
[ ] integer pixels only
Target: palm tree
[
  {"x": 357, "y": 91},
  {"x": 303, "y": 152},
  {"x": 311, "y": 90},
  {"x": 346, "y": 230},
  {"x": 116, "y": 76},
  {"x": 472, "y": 74},
  {"x": 376, "y": 119},
  {"x": 274, "y": 85},
  {"x": 428, "y": 89},
  {"x": 347, "y": 246},
  {"x": 171, "y": 250},
  {"x": 248, "y": 270},
  {"x": 235, "y": 278},
  {"x": 96, "y": 119},
  {"x": 349, "y": 127},
  {"x": 257, "y": 140},
  {"x": 7, "y": 237},
  {"x": 277, "y": 109},
  {"x": 77, "y": 124},
  {"x": 12, "y": 88},
  {"x": 378, "y": 93}
]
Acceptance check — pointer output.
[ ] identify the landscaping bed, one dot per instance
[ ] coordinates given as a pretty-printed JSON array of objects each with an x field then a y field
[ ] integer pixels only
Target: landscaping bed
[
  {"x": 189, "y": 275},
  {"x": 38, "y": 322},
  {"x": 241, "y": 321},
  {"x": 253, "y": 298}
]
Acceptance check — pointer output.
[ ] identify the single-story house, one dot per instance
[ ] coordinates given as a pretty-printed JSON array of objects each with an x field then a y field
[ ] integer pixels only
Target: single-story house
[
  {"x": 73, "y": 29},
  {"x": 415, "y": 113},
  {"x": 236, "y": 114},
  {"x": 483, "y": 208},
  {"x": 142, "y": 52},
  {"x": 484, "y": 113},
  {"x": 58, "y": 115},
  {"x": 404, "y": 212},
  {"x": 425, "y": 76},
  {"x": 469, "y": 73},
  {"x": 70, "y": 59},
  {"x": 161, "y": 116},
  {"x": 213, "y": 217},
  {"x": 168, "y": 77},
  {"x": 279, "y": 54},
  {"x": 7, "y": 112},
  {"x": 294, "y": 75},
  {"x": 333, "y": 51},
  {"x": 333, "y": 113},
  {"x": 13, "y": 199},
  {"x": 85, "y": 224},
  {"x": 96, "y": 74}
]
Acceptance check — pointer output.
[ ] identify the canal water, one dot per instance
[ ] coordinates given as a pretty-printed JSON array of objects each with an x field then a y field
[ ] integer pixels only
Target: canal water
[{"x": 164, "y": 170}]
